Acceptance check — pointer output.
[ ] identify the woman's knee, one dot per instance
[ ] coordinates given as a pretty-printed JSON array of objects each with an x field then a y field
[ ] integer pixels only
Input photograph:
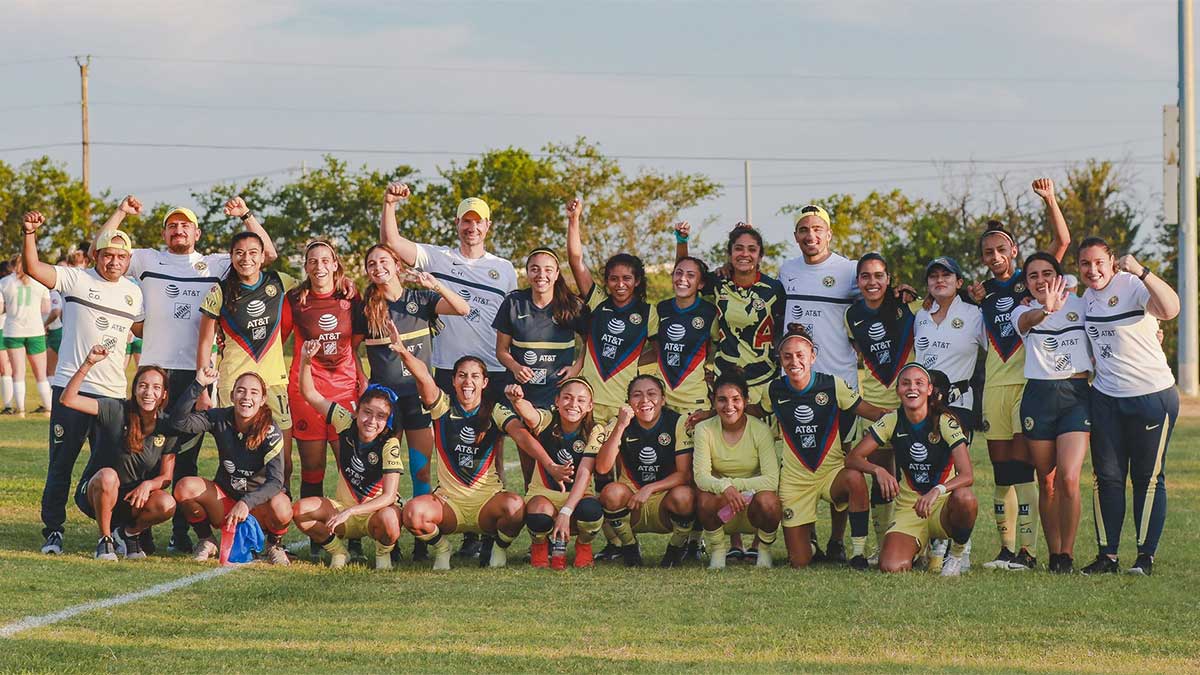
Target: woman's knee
[
  {"x": 420, "y": 513},
  {"x": 614, "y": 496},
  {"x": 681, "y": 500},
  {"x": 189, "y": 488}
]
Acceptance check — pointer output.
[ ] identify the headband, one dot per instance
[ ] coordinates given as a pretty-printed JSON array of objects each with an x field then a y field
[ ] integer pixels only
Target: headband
[
  {"x": 392, "y": 397},
  {"x": 576, "y": 380},
  {"x": 542, "y": 249}
]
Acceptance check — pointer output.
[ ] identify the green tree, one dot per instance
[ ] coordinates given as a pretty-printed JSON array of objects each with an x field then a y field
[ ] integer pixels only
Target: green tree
[{"x": 44, "y": 185}]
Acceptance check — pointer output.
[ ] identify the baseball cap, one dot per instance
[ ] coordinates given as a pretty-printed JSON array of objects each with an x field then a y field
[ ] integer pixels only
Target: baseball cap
[
  {"x": 813, "y": 210},
  {"x": 184, "y": 211},
  {"x": 114, "y": 239},
  {"x": 474, "y": 204},
  {"x": 950, "y": 264}
]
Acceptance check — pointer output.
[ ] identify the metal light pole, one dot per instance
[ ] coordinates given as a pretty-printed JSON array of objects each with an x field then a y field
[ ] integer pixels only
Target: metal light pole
[{"x": 1189, "y": 341}]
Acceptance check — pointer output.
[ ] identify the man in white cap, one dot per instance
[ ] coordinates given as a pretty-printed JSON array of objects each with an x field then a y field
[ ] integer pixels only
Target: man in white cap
[
  {"x": 175, "y": 282},
  {"x": 480, "y": 277},
  {"x": 100, "y": 307}
]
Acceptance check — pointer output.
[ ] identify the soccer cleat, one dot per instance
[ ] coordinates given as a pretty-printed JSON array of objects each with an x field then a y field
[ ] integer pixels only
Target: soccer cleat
[
  {"x": 441, "y": 554},
  {"x": 276, "y": 554},
  {"x": 180, "y": 543},
  {"x": 1066, "y": 564},
  {"x": 583, "y": 555},
  {"x": 966, "y": 556},
  {"x": 694, "y": 551},
  {"x": 873, "y": 561},
  {"x": 339, "y": 554},
  {"x": 146, "y": 539},
  {"x": 383, "y": 561},
  {"x": 487, "y": 546},
  {"x": 1022, "y": 561},
  {"x": 54, "y": 544},
  {"x": 7, "y": 411},
  {"x": 717, "y": 557},
  {"x": 133, "y": 545},
  {"x": 764, "y": 558},
  {"x": 420, "y": 552},
  {"x": 859, "y": 562},
  {"x": 818, "y": 556},
  {"x": 952, "y": 566},
  {"x": 1143, "y": 566},
  {"x": 632, "y": 555},
  {"x": 471, "y": 546},
  {"x": 106, "y": 549},
  {"x": 835, "y": 552},
  {"x": 355, "y": 549},
  {"x": 937, "y": 554},
  {"x": 1004, "y": 557},
  {"x": 1101, "y": 565},
  {"x": 539, "y": 554},
  {"x": 205, "y": 549},
  {"x": 673, "y": 556},
  {"x": 498, "y": 556},
  {"x": 609, "y": 553}
]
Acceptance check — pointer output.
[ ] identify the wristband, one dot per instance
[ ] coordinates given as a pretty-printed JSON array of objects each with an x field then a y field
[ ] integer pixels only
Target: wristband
[
  {"x": 1145, "y": 273},
  {"x": 566, "y": 511},
  {"x": 680, "y": 238},
  {"x": 247, "y": 216},
  {"x": 940, "y": 488}
]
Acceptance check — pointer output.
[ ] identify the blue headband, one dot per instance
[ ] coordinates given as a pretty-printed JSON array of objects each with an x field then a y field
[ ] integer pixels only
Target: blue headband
[{"x": 391, "y": 397}]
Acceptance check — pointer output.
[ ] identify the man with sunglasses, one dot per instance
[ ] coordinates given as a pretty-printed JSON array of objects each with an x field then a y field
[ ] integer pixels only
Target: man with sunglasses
[{"x": 174, "y": 282}]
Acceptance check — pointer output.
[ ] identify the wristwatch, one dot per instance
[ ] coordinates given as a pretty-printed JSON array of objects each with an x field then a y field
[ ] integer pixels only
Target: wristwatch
[{"x": 1145, "y": 273}]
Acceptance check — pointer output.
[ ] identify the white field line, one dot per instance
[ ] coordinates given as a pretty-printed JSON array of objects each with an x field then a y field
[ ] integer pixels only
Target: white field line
[{"x": 31, "y": 622}]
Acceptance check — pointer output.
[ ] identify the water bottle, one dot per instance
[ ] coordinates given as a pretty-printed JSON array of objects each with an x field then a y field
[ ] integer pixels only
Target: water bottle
[
  {"x": 726, "y": 512},
  {"x": 558, "y": 553},
  {"x": 227, "y": 535}
]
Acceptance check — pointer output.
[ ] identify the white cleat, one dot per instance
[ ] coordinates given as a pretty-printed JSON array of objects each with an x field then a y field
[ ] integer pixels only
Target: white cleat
[
  {"x": 441, "y": 554},
  {"x": 499, "y": 557},
  {"x": 338, "y": 560},
  {"x": 764, "y": 558},
  {"x": 383, "y": 562},
  {"x": 952, "y": 566}
]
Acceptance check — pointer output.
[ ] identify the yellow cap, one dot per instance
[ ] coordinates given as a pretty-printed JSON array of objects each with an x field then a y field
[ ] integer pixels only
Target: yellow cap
[
  {"x": 114, "y": 239},
  {"x": 183, "y": 210},
  {"x": 813, "y": 210},
  {"x": 474, "y": 204}
]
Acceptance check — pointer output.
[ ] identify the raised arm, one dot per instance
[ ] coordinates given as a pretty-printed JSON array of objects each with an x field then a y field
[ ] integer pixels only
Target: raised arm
[
  {"x": 450, "y": 302},
  {"x": 427, "y": 388},
  {"x": 43, "y": 273},
  {"x": 583, "y": 276},
  {"x": 236, "y": 208},
  {"x": 129, "y": 206},
  {"x": 308, "y": 388},
  {"x": 70, "y": 395},
  {"x": 184, "y": 417},
  {"x": 1164, "y": 301},
  {"x": 522, "y": 407},
  {"x": 683, "y": 232},
  {"x": 1061, "y": 236},
  {"x": 389, "y": 232}
]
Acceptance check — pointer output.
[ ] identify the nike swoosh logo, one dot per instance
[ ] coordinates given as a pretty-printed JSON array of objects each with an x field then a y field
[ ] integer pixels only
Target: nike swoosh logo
[
  {"x": 1152, "y": 428},
  {"x": 457, "y": 264},
  {"x": 858, "y": 322},
  {"x": 522, "y": 316},
  {"x": 901, "y": 435},
  {"x": 990, "y": 294}
]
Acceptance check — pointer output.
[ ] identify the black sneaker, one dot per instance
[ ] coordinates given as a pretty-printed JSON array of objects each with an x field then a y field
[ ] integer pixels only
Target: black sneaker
[
  {"x": 1004, "y": 557},
  {"x": 106, "y": 548},
  {"x": 632, "y": 555},
  {"x": 1052, "y": 563},
  {"x": 1066, "y": 564},
  {"x": 133, "y": 546},
  {"x": 470, "y": 546},
  {"x": 1101, "y": 565},
  {"x": 54, "y": 544},
  {"x": 609, "y": 553},
  {"x": 485, "y": 550},
  {"x": 146, "y": 539},
  {"x": 735, "y": 554},
  {"x": 859, "y": 562},
  {"x": 181, "y": 543},
  {"x": 835, "y": 552},
  {"x": 673, "y": 557},
  {"x": 356, "y": 551},
  {"x": 1022, "y": 561},
  {"x": 420, "y": 551},
  {"x": 1143, "y": 566},
  {"x": 818, "y": 555},
  {"x": 694, "y": 551}
]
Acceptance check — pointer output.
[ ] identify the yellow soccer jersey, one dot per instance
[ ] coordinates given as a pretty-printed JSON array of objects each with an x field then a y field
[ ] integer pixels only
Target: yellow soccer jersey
[
  {"x": 563, "y": 448},
  {"x": 466, "y": 451},
  {"x": 885, "y": 344},
  {"x": 615, "y": 338},
  {"x": 749, "y": 464},
  {"x": 810, "y": 423},
  {"x": 922, "y": 450},
  {"x": 361, "y": 466},
  {"x": 253, "y": 328},
  {"x": 1006, "y": 351}
]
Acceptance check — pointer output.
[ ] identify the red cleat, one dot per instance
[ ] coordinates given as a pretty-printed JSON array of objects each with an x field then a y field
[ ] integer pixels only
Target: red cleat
[
  {"x": 583, "y": 555},
  {"x": 539, "y": 554}
]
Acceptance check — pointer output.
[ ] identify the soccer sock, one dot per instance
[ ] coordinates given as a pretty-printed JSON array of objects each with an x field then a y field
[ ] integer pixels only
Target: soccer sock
[
  {"x": 539, "y": 525},
  {"x": 43, "y": 388},
  {"x": 858, "y": 533},
  {"x": 311, "y": 482},
  {"x": 382, "y": 549},
  {"x": 504, "y": 539},
  {"x": 432, "y": 538},
  {"x": 6, "y": 390},
  {"x": 959, "y": 538},
  {"x": 610, "y": 535},
  {"x": 766, "y": 538},
  {"x": 1004, "y": 504},
  {"x": 589, "y": 518},
  {"x": 681, "y": 529},
  {"x": 619, "y": 522},
  {"x": 716, "y": 542},
  {"x": 1027, "y": 514},
  {"x": 19, "y": 394},
  {"x": 417, "y": 462},
  {"x": 203, "y": 527}
]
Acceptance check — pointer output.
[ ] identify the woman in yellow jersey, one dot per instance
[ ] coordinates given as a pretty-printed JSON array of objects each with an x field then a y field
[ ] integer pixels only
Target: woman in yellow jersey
[
  {"x": 880, "y": 326},
  {"x": 1015, "y": 496},
  {"x": 554, "y": 506},
  {"x": 935, "y": 499},
  {"x": 736, "y": 472},
  {"x": 687, "y": 325},
  {"x": 651, "y": 447}
]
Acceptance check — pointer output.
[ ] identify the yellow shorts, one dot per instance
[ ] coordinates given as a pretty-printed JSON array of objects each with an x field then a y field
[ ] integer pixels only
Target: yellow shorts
[
  {"x": 648, "y": 516},
  {"x": 356, "y": 526},
  {"x": 800, "y": 497},
  {"x": 922, "y": 529},
  {"x": 1002, "y": 411},
  {"x": 466, "y": 511},
  {"x": 558, "y": 499},
  {"x": 277, "y": 400}
]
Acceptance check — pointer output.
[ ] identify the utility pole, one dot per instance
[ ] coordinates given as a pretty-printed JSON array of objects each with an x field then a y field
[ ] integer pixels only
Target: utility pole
[
  {"x": 83, "y": 63},
  {"x": 1189, "y": 341},
  {"x": 749, "y": 217}
]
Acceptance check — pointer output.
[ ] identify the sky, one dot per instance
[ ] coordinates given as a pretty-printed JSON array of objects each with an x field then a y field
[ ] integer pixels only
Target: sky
[{"x": 848, "y": 96}]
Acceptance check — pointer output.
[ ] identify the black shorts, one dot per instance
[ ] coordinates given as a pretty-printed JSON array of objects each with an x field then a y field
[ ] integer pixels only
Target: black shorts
[
  {"x": 409, "y": 414},
  {"x": 1051, "y": 408},
  {"x": 122, "y": 513}
]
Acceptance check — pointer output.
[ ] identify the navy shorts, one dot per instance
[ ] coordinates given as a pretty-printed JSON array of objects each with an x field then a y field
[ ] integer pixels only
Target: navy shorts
[
  {"x": 122, "y": 513},
  {"x": 409, "y": 414},
  {"x": 1051, "y": 408}
]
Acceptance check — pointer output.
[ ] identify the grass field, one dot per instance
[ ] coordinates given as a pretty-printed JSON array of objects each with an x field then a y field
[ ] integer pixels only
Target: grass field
[{"x": 307, "y": 618}]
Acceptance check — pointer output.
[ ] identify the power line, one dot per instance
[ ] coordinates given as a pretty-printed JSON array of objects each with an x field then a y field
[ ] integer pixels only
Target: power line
[
  {"x": 213, "y": 181},
  {"x": 44, "y": 59},
  {"x": 40, "y": 146}
]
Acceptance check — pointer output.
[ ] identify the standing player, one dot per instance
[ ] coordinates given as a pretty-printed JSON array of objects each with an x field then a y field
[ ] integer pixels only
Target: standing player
[
  {"x": 24, "y": 303},
  {"x": 1004, "y": 383},
  {"x": 6, "y": 380},
  {"x": 1133, "y": 399},
  {"x": 175, "y": 281},
  {"x": 687, "y": 326},
  {"x": 949, "y": 336},
  {"x": 101, "y": 308}
]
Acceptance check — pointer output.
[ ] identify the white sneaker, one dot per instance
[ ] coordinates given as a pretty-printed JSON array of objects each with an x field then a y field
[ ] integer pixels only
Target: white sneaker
[
  {"x": 383, "y": 562},
  {"x": 205, "y": 549},
  {"x": 499, "y": 557},
  {"x": 441, "y": 554},
  {"x": 764, "y": 557},
  {"x": 952, "y": 566},
  {"x": 338, "y": 560},
  {"x": 966, "y": 557},
  {"x": 54, "y": 544}
]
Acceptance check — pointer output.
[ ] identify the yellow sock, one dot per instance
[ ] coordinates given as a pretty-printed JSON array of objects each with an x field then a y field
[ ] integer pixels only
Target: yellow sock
[
  {"x": 717, "y": 543},
  {"x": 587, "y": 530},
  {"x": 680, "y": 531},
  {"x": 1027, "y": 516},
  {"x": 1004, "y": 503},
  {"x": 610, "y": 534},
  {"x": 384, "y": 549},
  {"x": 335, "y": 546},
  {"x": 619, "y": 522},
  {"x": 766, "y": 538}
]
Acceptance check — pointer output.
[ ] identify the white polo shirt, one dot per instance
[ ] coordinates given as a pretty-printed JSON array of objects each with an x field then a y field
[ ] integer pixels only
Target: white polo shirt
[
  {"x": 818, "y": 297},
  {"x": 56, "y": 302},
  {"x": 483, "y": 282},
  {"x": 174, "y": 286},
  {"x": 95, "y": 312},
  {"x": 952, "y": 346},
  {"x": 1124, "y": 337},
  {"x": 1056, "y": 348}
]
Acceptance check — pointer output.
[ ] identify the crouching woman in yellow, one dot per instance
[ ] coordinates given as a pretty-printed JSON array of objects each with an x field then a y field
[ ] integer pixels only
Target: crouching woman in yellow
[
  {"x": 369, "y": 468},
  {"x": 935, "y": 499},
  {"x": 467, "y": 432},
  {"x": 735, "y": 455}
]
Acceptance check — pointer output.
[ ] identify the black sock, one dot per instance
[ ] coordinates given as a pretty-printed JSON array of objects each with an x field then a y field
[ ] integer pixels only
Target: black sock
[{"x": 203, "y": 529}]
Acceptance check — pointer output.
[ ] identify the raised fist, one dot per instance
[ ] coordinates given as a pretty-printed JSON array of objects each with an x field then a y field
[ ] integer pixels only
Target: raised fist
[
  {"x": 396, "y": 192},
  {"x": 130, "y": 206},
  {"x": 1044, "y": 187},
  {"x": 32, "y": 221},
  {"x": 310, "y": 349},
  {"x": 1128, "y": 263},
  {"x": 625, "y": 415},
  {"x": 514, "y": 392},
  {"x": 683, "y": 229},
  {"x": 236, "y": 207},
  {"x": 976, "y": 291},
  {"x": 574, "y": 208},
  {"x": 96, "y": 355},
  {"x": 207, "y": 376}
]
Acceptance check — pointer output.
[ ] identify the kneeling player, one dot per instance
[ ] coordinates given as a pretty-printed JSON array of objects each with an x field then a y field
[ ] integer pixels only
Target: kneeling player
[
  {"x": 935, "y": 499},
  {"x": 653, "y": 493},
  {"x": 249, "y": 476},
  {"x": 123, "y": 487},
  {"x": 570, "y": 439},
  {"x": 369, "y": 466}
]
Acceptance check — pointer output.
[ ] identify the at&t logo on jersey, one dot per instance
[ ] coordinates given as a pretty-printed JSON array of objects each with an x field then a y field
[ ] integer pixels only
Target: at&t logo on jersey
[
  {"x": 876, "y": 331},
  {"x": 1050, "y": 344},
  {"x": 172, "y": 291},
  {"x": 564, "y": 456},
  {"x": 922, "y": 343},
  {"x": 616, "y": 325},
  {"x": 467, "y": 435},
  {"x": 918, "y": 452},
  {"x": 229, "y": 466},
  {"x": 647, "y": 463},
  {"x": 676, "y": 332},
  {"x": 256, "y": 308},
  {"x": 102, "y": 323},
  {"x": 804, "y": 414},
  {"x": 1004, "y": 304},
  {"x": 356, "y": 464},
  {"x": 327, "y": 322}
]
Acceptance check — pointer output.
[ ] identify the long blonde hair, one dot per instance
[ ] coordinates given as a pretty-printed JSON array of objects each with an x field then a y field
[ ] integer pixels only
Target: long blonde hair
[{"x": 375, "y": 306}]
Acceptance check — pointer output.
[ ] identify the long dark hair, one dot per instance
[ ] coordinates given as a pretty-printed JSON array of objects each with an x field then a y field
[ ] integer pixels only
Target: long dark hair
[
  {"x": 375, "y": 305},
  {"x": 231, "y": 285},
  {"x": 135, "y": 434},
  {"x": 486, "y": 403},
  {"x": 343, "y": 288},
  {"x": 745, "y": 228},
  {"x": 585, "y": 425},
  {"x": 564, "y": 304},
  {"x": 639, "y": 272},
  {"x": 939, "y": 400},
  {"x": 259, "y": 425},
  {"x": 890, "y": 303}
]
